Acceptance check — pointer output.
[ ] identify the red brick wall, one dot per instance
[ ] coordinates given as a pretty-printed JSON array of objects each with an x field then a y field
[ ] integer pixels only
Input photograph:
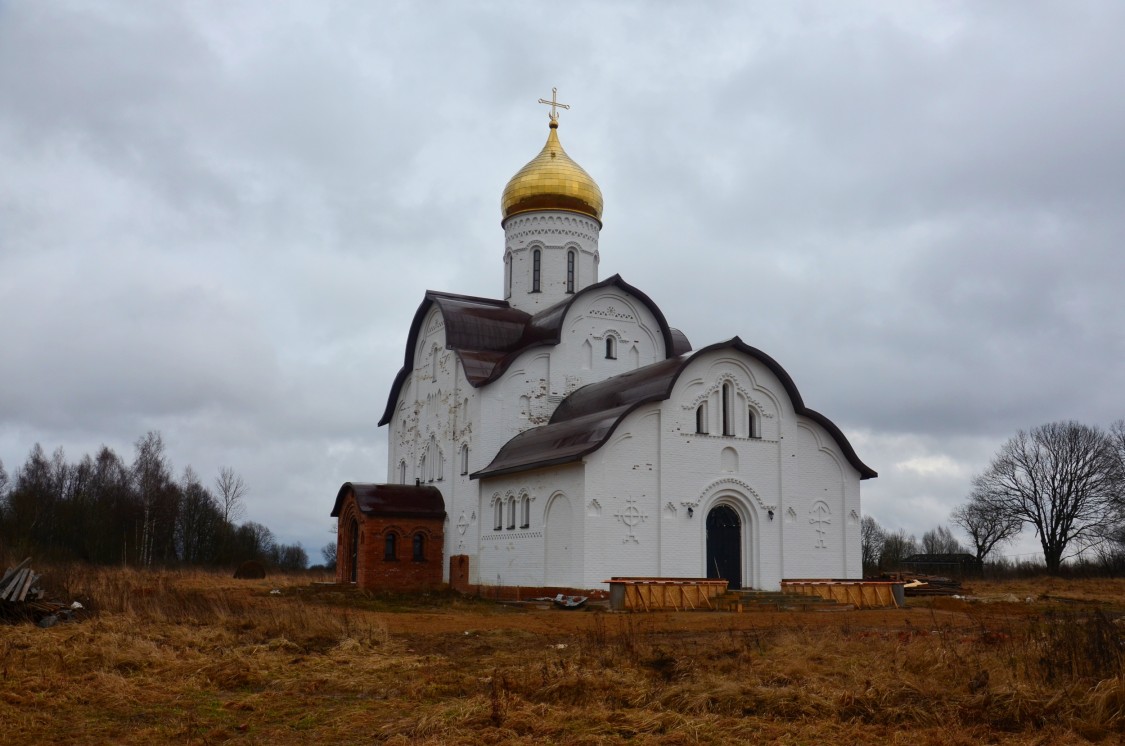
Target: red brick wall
[{"x": 404, "y": 573}]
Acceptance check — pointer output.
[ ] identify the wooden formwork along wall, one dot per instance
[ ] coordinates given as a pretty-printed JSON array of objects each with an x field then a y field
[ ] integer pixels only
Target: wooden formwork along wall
[
  {"x": 859, "y": 593},
  {"x": 652, "y": 594}
]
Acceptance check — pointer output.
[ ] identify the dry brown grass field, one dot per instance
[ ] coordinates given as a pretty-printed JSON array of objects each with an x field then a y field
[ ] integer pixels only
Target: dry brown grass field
[{"x": 202, "y": 658}]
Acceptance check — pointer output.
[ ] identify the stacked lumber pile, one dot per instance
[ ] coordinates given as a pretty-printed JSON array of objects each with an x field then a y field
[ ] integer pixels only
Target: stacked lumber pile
[
  {"x": 929, "y": 585},
  {"x": 17, "y": 584},
  {"x": 21, "y": 599}
]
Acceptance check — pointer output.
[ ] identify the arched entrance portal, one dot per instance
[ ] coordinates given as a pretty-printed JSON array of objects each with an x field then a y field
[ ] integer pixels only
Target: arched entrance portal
[{"x": 724, "y": 545}]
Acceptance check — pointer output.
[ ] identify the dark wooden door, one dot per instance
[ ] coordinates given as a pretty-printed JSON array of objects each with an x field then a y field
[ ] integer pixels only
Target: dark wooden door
[{"x": 724, "y": 546}]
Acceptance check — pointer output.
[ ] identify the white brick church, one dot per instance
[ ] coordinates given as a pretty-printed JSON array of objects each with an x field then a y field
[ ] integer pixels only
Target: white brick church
[{"x": 575, "y": 436}]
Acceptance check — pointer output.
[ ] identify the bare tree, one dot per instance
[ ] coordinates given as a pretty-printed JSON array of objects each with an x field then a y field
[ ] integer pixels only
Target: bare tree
[
  {"x": 152, "y": 478},
  {"x": 871, "y": 536},
  {"x": 897, "y": 546},
  {"x": 328, "y": 551},
  {"x": 940, "y": 540},
  {"x": 1061, "y": 478},
  {"x": 987, "y": 528},
  {"x": 230, "y": 489}
]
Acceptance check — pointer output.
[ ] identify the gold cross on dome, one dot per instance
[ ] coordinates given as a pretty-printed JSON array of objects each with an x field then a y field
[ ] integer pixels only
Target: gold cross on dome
[{"x": 554, "y": 102}]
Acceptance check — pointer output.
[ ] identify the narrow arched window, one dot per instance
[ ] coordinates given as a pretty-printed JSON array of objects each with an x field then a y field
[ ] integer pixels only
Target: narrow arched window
[
  {"x": 422, "y": 468},
  {"x": 508, "y": 275},
  {"x": 511, "y": 512},
  {"x": 751, "y": 431},
  {"x": 571, "y": 258},
  {"x": 353, "y": 552},
  {"x": 610, "y": 348},
  {"x": 402, "y": 472},
  {"x": 701, "y": 419},
  {"x": 390, "y": 548},
  {"x": 535, "y": 262},
  {"x": 497, "y": 515},
  {"x": 419, "y": 547},
  {"x": 728, "y": 425},
  {"x": 525, "y": 511},
  {"x": 464, "y": 458}
]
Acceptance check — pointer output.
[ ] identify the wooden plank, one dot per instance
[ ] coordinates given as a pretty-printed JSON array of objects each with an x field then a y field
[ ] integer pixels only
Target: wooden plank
[
  {"x": 8, "y": 592},
  {"x": 12, "y": 571},
  {"x": 31, "y": 578}
]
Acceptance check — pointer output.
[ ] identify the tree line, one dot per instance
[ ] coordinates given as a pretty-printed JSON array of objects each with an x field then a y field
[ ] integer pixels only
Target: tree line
[
  {"x": 1064, "y": 481},
  {"x": 102, "y": 510}
]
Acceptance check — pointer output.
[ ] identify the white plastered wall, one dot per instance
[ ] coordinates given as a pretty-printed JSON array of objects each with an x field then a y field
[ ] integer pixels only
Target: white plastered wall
[{"x": 518, "y": 556}]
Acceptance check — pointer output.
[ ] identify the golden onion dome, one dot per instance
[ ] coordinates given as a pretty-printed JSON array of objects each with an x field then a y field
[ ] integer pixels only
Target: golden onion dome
[{"x": 552, "y": 181}]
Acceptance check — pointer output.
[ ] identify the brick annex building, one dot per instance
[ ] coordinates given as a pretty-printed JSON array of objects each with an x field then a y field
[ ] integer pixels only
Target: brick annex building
[{"x": 565, "y": 433}]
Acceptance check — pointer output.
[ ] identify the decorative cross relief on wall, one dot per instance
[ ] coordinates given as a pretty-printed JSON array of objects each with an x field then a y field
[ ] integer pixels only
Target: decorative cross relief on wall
[
  {"x": 632, "y": 517},
  {"x": 462, "y": 524},
  {"x": 821, "y": 518}
]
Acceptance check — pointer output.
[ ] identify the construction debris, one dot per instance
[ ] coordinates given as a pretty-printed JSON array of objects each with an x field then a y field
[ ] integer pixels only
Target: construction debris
[
  {"x": 928, "y": 585},
  {"x": 22, "y": 600},
  {"x": 17, "y": 583}
]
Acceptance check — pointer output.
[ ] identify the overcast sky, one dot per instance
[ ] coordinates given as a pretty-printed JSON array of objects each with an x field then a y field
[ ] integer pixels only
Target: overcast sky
[{"x": 217, "y": 219}]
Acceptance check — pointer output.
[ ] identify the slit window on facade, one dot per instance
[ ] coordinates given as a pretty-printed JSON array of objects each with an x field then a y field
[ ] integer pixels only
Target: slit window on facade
[
  {"x": 751, "y": 431},
  {"x": 465, "y": 459},
  {"x": 402, "y": 472},
  {"x": 419, "y": 547},
  {"x": 390, "y": 548},
  {"x": 511, "y": 513},
  {"x": 728, "y": 426},
  {"x": 498, "y": 516},
  {"x": 610, "y": 348},
  {"x": 536, "y": 257},
  {"x": 525, "y": 512},
  {"x": 508, "y": 267},
  {"x": 701, "y": 419},
  {"x": 570, "y": 260}
]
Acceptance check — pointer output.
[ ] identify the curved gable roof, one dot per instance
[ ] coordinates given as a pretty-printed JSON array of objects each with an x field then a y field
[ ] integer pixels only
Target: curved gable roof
[
  {"x": 398, "y": 500},
  {"x": 585, "y": 420},
  {"x": 488, "y": 335}
]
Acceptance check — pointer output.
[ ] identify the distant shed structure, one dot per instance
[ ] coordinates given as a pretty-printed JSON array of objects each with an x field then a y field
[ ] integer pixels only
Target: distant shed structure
[
  {"x": 952, "y": 565},
  {"x": 390, "y": 536}
]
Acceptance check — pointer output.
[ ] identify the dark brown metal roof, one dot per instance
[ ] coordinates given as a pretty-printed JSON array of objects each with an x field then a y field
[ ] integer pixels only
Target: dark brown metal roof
[
  {"x": 585, "y": 420},
  {"x": 397, "y": 500},
  {"x": 488, "y": 334}
]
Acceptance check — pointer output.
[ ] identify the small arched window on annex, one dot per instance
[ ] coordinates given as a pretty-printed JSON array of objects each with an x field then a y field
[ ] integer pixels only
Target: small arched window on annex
[
  {"x": 727, "y": 403},
  {"x": 536, "y": 269},
  {"x": 390, "y": 547},
  {"x": 508, "y": 275},
  {"x": 701, "y": 419},
  {"x": 497, "y": 514},
  {"x": 464, "y": 459},
  {"x": 419, "y": 553},
  {"x": 610, "y": 347},
  {"x": 435, "y": 354},
  {"x": 525, "y": 511},
  {"x": 571, "y": 269},
  {"x": 511, "y": 513}
]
